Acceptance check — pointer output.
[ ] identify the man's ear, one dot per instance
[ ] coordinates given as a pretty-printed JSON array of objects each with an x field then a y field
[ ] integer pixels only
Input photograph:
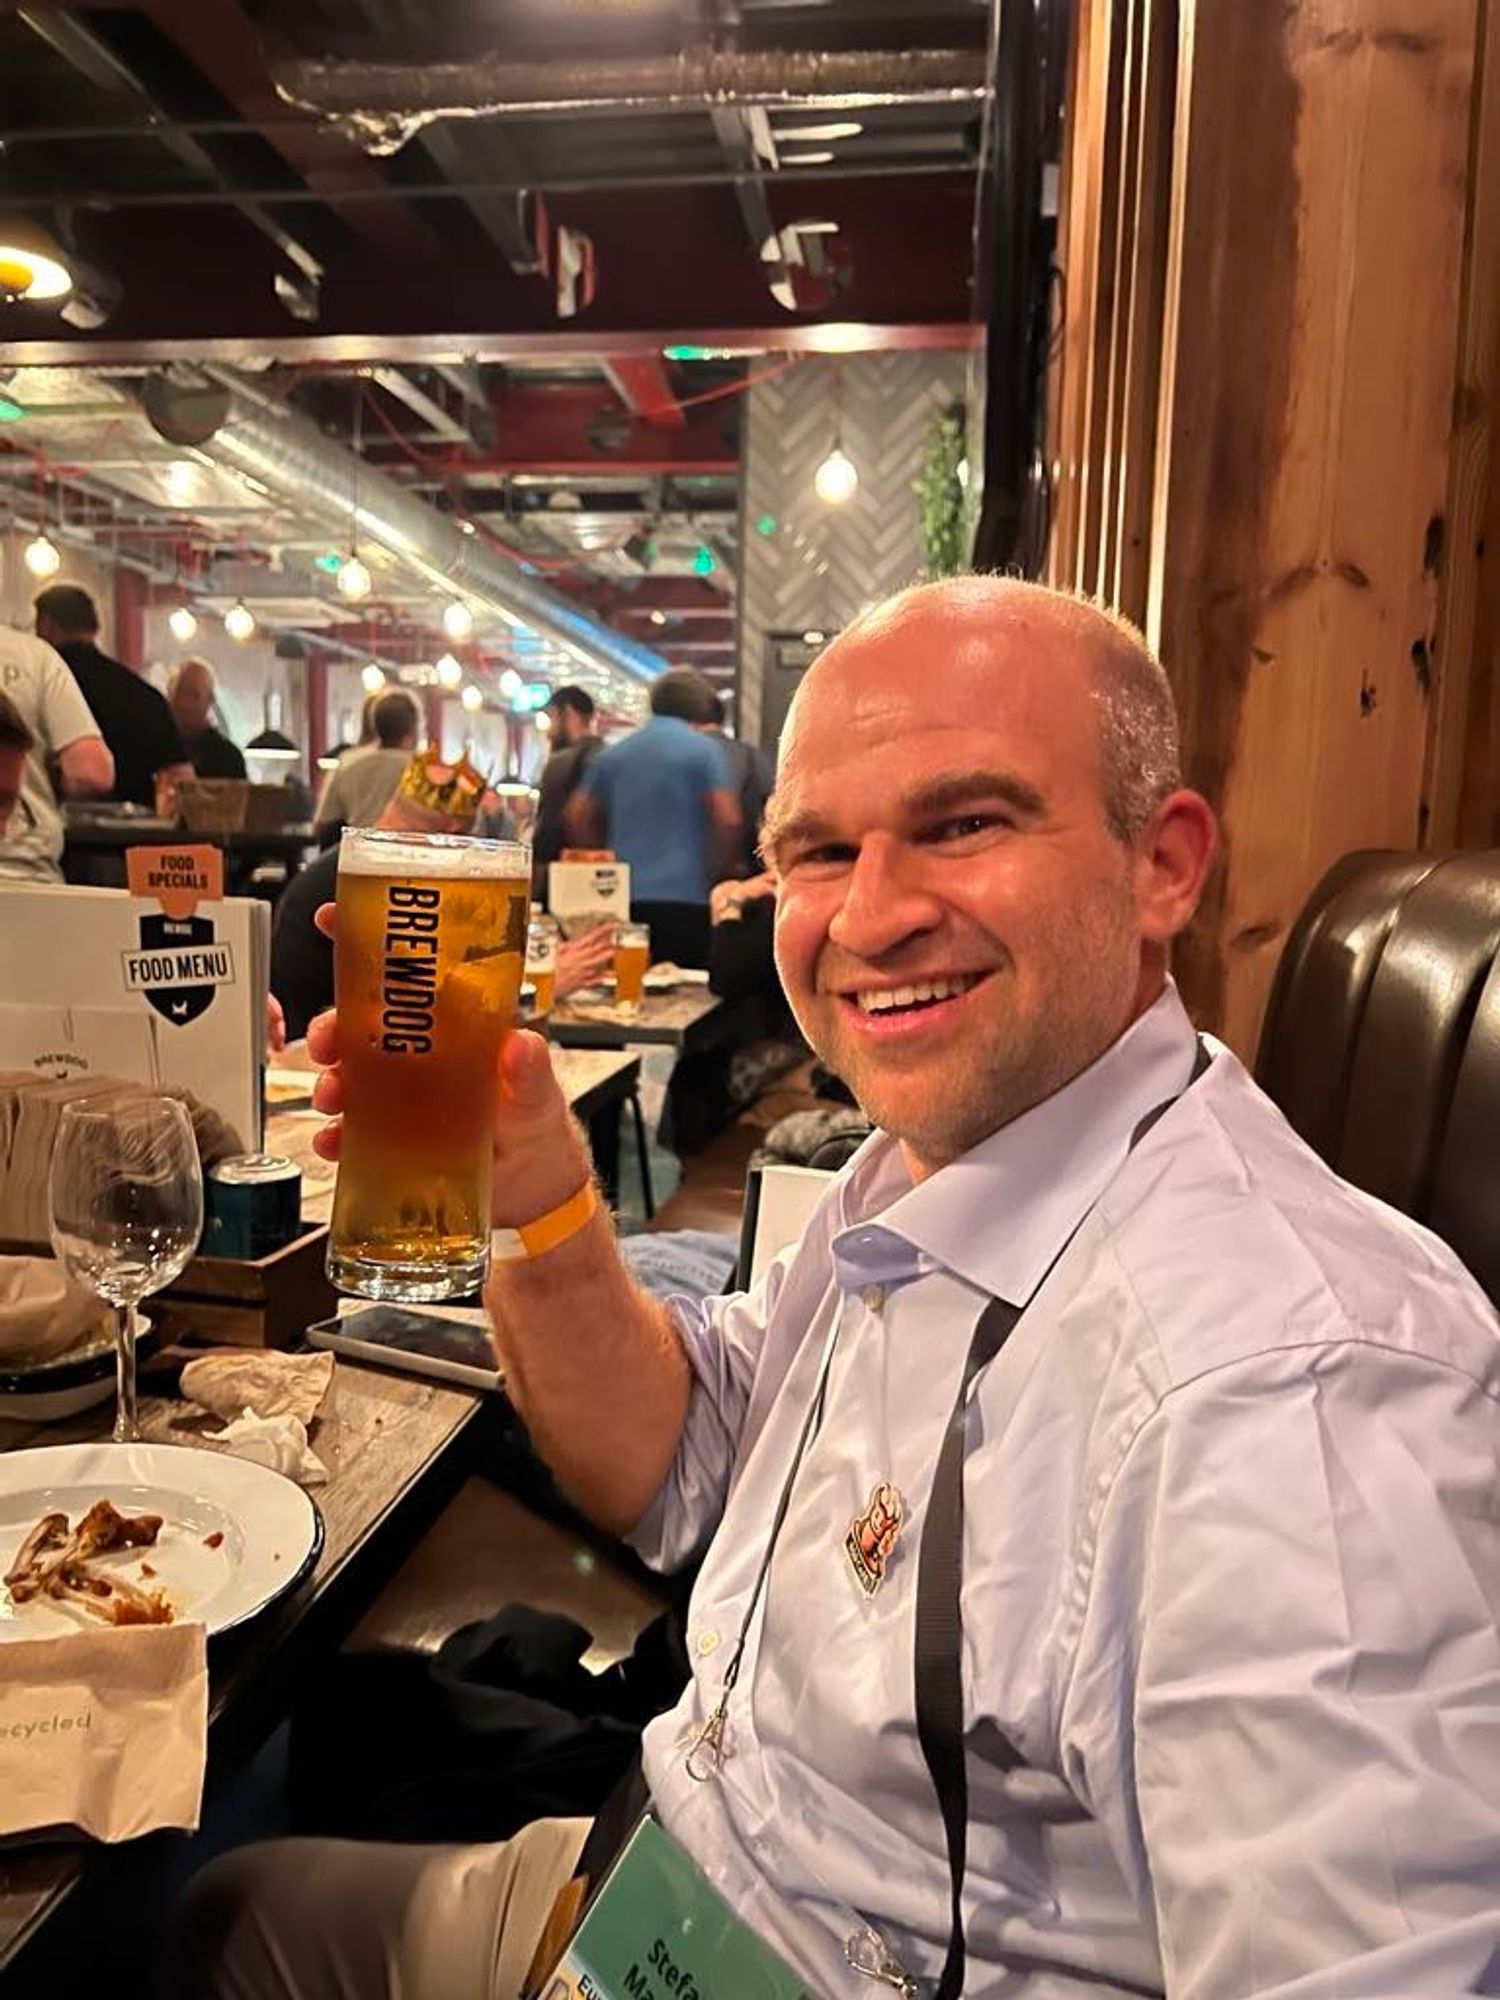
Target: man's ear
[{"x": 1174, "y": 854}]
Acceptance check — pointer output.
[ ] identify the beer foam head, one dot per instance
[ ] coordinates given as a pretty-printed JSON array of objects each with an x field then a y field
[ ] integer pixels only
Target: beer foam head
[{"x": 451, "y": 857}]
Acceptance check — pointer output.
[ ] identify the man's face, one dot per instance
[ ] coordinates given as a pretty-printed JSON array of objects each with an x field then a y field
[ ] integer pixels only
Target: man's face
[
  {"x": 956, "y": 926},
  {"x": 12, "y": 766},
  {"x": 192, "y": 702}
]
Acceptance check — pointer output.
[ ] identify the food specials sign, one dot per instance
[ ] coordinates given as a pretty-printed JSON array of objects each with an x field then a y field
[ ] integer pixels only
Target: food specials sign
[{"x": 180, "y": 961}]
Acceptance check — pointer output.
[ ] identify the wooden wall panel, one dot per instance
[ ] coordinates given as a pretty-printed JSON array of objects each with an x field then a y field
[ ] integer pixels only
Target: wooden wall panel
[{"x": 1272, "y": 334}]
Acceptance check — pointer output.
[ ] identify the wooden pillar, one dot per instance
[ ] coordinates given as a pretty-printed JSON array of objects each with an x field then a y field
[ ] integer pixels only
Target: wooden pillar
[{"x": 1320, "y": 168}]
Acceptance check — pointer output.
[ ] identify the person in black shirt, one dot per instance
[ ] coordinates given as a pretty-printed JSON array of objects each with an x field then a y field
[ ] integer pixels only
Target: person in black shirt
[
  {"x": 133, "y": 717},
  {"x": 574, "y": 745},
  {"x": 190, "y": 696}
]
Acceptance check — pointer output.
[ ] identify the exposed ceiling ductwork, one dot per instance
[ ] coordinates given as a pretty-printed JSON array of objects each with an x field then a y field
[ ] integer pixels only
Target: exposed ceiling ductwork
[
  {"x": 231, "y": 424},
  {"x": 383, "y": 104}
]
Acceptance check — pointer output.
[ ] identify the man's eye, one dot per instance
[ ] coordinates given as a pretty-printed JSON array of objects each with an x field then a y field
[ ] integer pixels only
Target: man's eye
[
  {"x": 964, "y": 826},
  {"x": 832, "y": 854}
]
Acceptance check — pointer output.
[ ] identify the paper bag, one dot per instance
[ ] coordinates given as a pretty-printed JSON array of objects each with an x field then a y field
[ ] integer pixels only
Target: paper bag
[{"x": 103, "y": 1731}]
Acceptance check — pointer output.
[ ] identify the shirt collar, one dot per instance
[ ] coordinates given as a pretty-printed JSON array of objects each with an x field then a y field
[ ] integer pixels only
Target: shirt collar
[{"x": 998, "y": 1216}]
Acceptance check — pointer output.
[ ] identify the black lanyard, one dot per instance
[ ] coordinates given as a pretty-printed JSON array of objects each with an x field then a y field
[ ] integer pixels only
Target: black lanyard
[{"x": 939, "y": 1642}]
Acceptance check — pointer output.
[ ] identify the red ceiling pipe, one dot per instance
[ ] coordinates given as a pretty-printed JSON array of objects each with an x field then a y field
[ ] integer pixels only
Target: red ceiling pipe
[{"x": 317, "y": 710}]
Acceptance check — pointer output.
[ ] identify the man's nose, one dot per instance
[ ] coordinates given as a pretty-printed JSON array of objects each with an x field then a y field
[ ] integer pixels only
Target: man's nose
[{"x": 886, "y": 899}]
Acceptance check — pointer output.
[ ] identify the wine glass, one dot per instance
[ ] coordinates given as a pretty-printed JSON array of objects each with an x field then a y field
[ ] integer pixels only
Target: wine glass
[{"x": 126, "y": 1201}]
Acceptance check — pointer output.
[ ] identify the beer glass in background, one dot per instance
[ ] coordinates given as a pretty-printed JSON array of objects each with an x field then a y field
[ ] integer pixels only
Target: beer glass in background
[
  {"x": 632, "y": 956},
  {"x": 542, "y": 939},
  {"x": 427, "y": 971}
]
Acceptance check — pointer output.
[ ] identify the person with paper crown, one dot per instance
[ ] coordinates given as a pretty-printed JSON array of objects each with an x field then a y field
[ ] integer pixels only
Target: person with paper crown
[
  {"x": 1100, "y": 1556},
  {"x": 431, "y": 796}
]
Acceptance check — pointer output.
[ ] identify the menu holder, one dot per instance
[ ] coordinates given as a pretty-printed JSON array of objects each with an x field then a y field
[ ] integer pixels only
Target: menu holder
[{"x": 251, "y": 1301}]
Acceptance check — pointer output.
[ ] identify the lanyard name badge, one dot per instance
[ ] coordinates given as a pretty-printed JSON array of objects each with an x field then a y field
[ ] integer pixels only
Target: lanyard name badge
[{"x": 657, "y": 1930}]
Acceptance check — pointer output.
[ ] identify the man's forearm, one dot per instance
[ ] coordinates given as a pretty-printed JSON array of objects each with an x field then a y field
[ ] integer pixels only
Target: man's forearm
[{"x": 597, "y": 1371}]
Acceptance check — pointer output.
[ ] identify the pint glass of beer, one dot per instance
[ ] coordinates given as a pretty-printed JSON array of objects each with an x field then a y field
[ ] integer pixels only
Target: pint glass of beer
[
  {"x": 632, "y": 956},
  {"x": 427, "y": 972}
]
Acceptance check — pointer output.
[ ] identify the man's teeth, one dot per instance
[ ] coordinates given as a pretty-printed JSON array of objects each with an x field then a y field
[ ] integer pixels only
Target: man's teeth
[{"x": 921, "y": 994}]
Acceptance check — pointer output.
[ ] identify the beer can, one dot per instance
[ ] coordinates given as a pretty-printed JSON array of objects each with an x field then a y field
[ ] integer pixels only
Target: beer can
[{"x": 252, "y": 1205}]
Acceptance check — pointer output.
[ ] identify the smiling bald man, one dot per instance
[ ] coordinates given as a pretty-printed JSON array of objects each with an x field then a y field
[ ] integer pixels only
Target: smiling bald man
[{"x": 1209, "y": 1437}]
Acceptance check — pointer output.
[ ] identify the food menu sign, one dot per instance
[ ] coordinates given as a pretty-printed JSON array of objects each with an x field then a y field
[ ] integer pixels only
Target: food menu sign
[
  {"x": 180, "y": 962},
  {"x": 165, "y": 985}
]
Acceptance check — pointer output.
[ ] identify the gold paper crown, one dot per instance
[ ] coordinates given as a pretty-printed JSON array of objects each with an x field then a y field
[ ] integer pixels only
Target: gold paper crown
[{"x": 454, "y": 790}]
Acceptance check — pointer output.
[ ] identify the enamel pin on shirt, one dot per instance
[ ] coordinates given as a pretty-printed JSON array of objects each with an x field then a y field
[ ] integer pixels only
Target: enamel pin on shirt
[{"x": 872, "y": 1536}]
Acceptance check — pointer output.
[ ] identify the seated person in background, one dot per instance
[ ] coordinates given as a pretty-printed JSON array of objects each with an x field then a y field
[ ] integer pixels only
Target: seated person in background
[
  {"x": 133, "y": 716},
  {"x": 190, "y": 695},
  {"x": 301, "y": 952},
  {"x": 59, "y": 729},
  {"x": 359, "y": 787},
  {"x": 1207, "y": 1437},
  {"x": 16, "y": 745}
]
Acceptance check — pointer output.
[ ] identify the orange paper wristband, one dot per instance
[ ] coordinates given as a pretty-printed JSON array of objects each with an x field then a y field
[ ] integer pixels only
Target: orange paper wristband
[{"x": 535, "y": 1239}]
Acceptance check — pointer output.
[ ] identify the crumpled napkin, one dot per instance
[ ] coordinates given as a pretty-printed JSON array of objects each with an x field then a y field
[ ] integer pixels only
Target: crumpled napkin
[
  {"x": 231, "y": 1379},
  {"x": 277, "y": 1442}
]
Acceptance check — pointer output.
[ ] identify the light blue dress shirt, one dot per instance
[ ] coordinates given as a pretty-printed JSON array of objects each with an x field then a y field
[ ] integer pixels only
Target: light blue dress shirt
[{"x": 1231, "y": 1565}]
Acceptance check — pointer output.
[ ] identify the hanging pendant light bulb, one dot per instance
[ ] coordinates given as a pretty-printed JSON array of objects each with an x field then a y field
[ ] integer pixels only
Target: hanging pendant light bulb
[
  {"x": 182, "y": 622},
  {"x": 449, "y": 671},
  {"x": 41, "y": 555},
  {"x": 372, "y": 678},
  {"x": 836, "y": 478},
  {"x": 472, "y": 699},
  {"x": 239, "y": 621},
  {"x": 458, "y": 620},
  {"x": 353, "y": 579},
  {"x": 510, "y": 683}
]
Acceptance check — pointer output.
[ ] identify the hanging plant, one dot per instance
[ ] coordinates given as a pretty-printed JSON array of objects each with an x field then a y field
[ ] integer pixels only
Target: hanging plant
[{"x": 942, "y": 497}]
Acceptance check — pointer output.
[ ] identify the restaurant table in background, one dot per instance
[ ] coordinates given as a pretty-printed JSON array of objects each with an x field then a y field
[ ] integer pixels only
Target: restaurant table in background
[
  {"x": 687, "y": 1019},
  {"x": 87, "y": 837},
  {"x": 397, "y": 1447}
]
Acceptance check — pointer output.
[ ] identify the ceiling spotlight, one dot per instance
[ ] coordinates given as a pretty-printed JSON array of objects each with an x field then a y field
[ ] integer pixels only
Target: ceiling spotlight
[
  {"x": 658, "y": 618},
  {"x": 467, "y": 528},
  {"x": 836, "y": 478},
  {"x": 372, "y": 678},
  {"x": 510, "y": 683},
  {"x": 40, "y": 554},
  {"x": 472, "y": 698},
  {"x": 181, "y": 481},
  {"x": 449, "y": 671},
  {"x": 353, "y": 579},
  {"x": 543, "y": 722},
  {"x": 182, "y": 622},
  {"x": 458, "y": 620},
  {"x": 31, "y": 265},
  {"x": 806, "y": 159},
  {"x": 239, "y": 621}
]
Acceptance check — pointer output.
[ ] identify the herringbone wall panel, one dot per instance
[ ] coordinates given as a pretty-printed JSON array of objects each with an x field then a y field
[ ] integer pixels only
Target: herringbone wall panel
[{"x": 823, "y": 565}]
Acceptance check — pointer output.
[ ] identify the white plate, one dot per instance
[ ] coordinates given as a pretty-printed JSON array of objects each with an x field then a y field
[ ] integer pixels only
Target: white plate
[{"x": 270, "y": 1532}]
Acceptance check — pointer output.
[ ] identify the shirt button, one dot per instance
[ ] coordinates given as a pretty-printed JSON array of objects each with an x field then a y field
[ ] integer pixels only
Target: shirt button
[
  {"x": 706, "y": 1643},
  {"x": 873, "y": 1297}
]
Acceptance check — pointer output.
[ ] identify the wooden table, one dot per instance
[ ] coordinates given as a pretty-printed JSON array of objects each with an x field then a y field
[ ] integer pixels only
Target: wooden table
[
  {"x": 397, "y": 1448},
  {"x": 596, "y": 1082},
  {"x": 687, "y": 1019}
]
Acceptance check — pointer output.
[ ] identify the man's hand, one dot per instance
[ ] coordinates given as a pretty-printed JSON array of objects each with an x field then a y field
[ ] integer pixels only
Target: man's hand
[
  {"x": 540, "y": 1155},
  {"x": 585, "y": 960}
]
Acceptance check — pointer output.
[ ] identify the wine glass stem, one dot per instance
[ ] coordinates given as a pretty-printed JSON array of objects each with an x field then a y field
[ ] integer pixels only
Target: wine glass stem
[{"x": 127, "y": 1431}]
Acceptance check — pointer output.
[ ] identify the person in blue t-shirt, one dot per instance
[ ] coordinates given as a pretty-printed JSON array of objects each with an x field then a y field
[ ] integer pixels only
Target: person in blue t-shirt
[{"x": 663, "y": 800}]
